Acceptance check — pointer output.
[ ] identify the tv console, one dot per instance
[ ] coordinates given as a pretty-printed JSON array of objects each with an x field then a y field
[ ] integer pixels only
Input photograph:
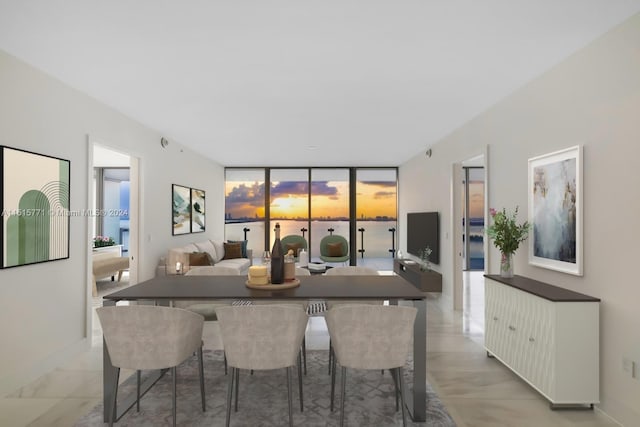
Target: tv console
[{"x": 426, "y": 281}]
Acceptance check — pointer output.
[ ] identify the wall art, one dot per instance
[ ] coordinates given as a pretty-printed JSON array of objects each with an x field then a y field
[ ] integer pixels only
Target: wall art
[
  {"x": 555, "y": 210},
  {"x": 181, "y": 210},
  {"x": 35, "y": 204}
]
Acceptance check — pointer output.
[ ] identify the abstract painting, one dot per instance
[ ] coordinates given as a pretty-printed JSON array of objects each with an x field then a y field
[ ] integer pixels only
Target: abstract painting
[
  {"x": 35, "y": 207},
  {"x": 555, "y": 210},
  {"x": 181, "y": 210},
  {"x": 197, "y": 211}
]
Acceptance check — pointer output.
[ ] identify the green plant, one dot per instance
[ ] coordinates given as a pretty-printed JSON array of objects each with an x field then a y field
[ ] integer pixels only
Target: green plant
[
  {"x": 424, "y": 257},
  {"x": 102, "y": 241},
  {"x": 505, "y": 232}
]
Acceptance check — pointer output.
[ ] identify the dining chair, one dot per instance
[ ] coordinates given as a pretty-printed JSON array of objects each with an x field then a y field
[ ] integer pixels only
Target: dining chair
[
  {"x": 151, "y": 337},
  {"x": 351, "y": 270},
  {"x": 261, "y": 337},
  {"x": 370, "y": 337}
]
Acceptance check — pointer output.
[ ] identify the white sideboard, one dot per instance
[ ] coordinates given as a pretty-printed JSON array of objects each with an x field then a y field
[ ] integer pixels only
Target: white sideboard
[{"x": 547, "y": 335}]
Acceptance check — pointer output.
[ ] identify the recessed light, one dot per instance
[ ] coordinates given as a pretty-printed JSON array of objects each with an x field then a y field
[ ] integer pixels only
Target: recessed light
[{"x": 312, "y": 147}]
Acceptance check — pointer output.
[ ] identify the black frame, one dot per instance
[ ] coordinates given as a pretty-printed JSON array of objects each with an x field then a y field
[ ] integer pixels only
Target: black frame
[{"x": 3, "y": 148}]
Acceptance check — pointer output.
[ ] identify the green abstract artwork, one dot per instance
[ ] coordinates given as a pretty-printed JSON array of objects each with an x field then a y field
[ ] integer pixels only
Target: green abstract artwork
[{"x": 35, "y": 207}]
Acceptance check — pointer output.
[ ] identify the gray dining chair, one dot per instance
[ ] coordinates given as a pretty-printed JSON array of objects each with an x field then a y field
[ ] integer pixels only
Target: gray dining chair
[
  {"x": 143, "y": 337},
  {"x": 370, "y": 337},
  {"x": 350, "y": 270},
  {"x": 261, "y": 337}
]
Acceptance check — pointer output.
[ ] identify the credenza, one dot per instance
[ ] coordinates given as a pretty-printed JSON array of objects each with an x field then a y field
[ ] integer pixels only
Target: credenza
[{"x": 547, "y": 335}]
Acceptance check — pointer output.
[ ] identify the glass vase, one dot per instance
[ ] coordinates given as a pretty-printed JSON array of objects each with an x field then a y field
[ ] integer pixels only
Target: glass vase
[{"x": 506, "y": 266}]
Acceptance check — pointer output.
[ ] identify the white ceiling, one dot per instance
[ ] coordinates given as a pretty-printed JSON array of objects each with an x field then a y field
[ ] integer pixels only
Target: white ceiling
[{"x": 313, "y": 83}]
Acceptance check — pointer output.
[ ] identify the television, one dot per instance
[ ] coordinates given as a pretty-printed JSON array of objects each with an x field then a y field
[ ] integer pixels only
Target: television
[{"x": 423, "y": 229}]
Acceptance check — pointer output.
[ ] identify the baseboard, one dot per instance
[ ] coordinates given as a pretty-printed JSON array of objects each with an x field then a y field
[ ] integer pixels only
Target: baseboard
[{"x": 27, "y": 375}]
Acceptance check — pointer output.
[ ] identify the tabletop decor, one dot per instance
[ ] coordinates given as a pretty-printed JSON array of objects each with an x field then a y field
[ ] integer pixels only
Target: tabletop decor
[
  {"x": 555, "y": 210},
  {"x": 35, "y": 207},
  {"x": 507, "y": 235},
  {"x": 102, "y": 241}
]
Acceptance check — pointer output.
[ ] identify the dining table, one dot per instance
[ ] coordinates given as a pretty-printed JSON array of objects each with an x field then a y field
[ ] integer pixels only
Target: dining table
[{"x": 164, "y": 290}]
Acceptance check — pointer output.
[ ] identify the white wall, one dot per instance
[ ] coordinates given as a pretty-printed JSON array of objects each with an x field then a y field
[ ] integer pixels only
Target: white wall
[
  {"x": 42, "y": 320},
  {"x": 592, "y": 99}
]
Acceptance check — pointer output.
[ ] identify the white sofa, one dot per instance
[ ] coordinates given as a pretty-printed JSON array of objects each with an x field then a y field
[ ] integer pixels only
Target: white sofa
[{"x": 215, "y": 249}]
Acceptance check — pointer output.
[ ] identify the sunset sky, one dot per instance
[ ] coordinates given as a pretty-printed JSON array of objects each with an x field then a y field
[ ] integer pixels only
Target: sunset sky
[{"x": 329, "y": 199}]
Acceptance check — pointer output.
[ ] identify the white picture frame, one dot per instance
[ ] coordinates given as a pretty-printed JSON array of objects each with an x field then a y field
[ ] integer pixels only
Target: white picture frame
[{"x": 555, "y": 210}]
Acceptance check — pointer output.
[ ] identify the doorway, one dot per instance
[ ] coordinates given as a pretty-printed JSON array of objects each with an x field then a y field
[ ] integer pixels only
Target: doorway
[
  {"x": 469, "y": 199},
  {"x": 113, "y": 200}
]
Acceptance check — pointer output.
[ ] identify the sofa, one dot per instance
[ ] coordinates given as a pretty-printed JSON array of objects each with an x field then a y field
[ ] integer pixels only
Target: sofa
[{"x": 219, "y": 254}]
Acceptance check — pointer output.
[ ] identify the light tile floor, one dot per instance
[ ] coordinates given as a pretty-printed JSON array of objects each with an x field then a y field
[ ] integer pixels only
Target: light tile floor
[{"x": 477, "y": 391}]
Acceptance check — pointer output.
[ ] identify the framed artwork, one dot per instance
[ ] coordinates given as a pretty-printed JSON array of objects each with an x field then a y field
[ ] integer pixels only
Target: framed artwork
[
  {"x": 197, "y": 211},
  {"x": 181, "y": 210},
  {"x": 555, "y": 210},
  {"x": 35, "y": 207}
]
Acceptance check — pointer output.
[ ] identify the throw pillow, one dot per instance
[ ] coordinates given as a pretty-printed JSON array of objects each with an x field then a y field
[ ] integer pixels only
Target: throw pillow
[
  {"x": 244, "y": 246},
  {"x": 335, "y": 249},
  {"x": 232, "y": 250},
  {"x": 206, "y": 246},
  {"x": 200, "y": 258},
  {"x": 295, "y": 246}
]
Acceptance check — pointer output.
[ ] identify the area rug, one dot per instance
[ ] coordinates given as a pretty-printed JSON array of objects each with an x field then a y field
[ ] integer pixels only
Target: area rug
[{"x": 263, "y": 398}]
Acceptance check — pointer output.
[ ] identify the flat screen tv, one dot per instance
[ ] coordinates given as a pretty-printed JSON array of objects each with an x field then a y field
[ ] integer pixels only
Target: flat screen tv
[{"x": 423, "y": 229}]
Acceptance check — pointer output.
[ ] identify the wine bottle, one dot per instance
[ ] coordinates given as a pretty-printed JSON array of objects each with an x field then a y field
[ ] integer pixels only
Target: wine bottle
[{"x": 277, "y": 259}]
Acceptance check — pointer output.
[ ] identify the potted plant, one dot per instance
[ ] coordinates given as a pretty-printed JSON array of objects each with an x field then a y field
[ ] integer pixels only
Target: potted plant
[
  {"x": 507, "y": 235},
  {"x": 425, "y": 265},
  {"x": 102, "y": 241}
]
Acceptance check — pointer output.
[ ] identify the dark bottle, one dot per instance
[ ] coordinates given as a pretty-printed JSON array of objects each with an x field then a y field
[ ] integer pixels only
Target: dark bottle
[{"x": 277, "y": 259}]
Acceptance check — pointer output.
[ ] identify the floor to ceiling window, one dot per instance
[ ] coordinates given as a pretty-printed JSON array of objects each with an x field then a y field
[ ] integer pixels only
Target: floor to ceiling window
[
  {"x": 314, "y": 203},
  {"x": 473, "y": 229},
  {"x": 245, "y": 207},
  {"x": 376, "y": 213},
  {"x": 329, "y": 206},
  {"x": 112, "y": 196}
]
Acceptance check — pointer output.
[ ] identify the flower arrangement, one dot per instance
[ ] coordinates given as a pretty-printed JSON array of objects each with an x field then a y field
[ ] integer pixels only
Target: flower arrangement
[
  {"x": 102, "y": 241},
  {"x": 505, "y": 232}
]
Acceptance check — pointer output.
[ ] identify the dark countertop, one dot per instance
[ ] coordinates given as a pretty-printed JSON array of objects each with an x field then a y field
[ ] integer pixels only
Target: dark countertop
[{"x": 542, "y": 290}]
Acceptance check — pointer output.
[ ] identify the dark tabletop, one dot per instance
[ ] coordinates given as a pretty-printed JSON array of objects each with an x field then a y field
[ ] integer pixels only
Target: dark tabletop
[
  {"x": 233, "y": 287},
  {"x": 542, "y": 290}
]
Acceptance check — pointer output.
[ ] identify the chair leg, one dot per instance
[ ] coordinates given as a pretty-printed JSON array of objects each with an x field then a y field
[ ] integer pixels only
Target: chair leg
[
  {"x": 114, "y": 398},
  {"x": 289, "y": 395},
  {"x": 300, "y": 380},
  {"x": 201, "y": 368},
  {"x": 237, "y": 371},
  {"x": 395, "y": 384},
  {"x": 173, "y": 400},
  {"x": 229, "y": 394},
  {"x": 330, "y": 356},
  {"x": 344, "y": 392},
  {"x": 225, "y": 363},
  {"x": 401, "y": 387},
  {"x": 138, "y": 375},
  {"x": 332, "y": 369},
  {"x": 304, "y": 353}
]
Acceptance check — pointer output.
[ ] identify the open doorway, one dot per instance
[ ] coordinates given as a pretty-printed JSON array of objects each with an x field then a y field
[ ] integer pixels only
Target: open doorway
[
  {"x": 112, "y": 230},
  {"x": 469, "y": 213}
]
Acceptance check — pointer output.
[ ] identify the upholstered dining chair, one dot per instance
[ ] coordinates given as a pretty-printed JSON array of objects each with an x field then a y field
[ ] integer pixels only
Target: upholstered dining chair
[
  {"x": 334, "y": 248},
  {"x": 151, "y": 337},
  {"x": 295, "y": 242},
  {"x": 261, "y": 337},
  {"x": 370, "y": 337}
]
